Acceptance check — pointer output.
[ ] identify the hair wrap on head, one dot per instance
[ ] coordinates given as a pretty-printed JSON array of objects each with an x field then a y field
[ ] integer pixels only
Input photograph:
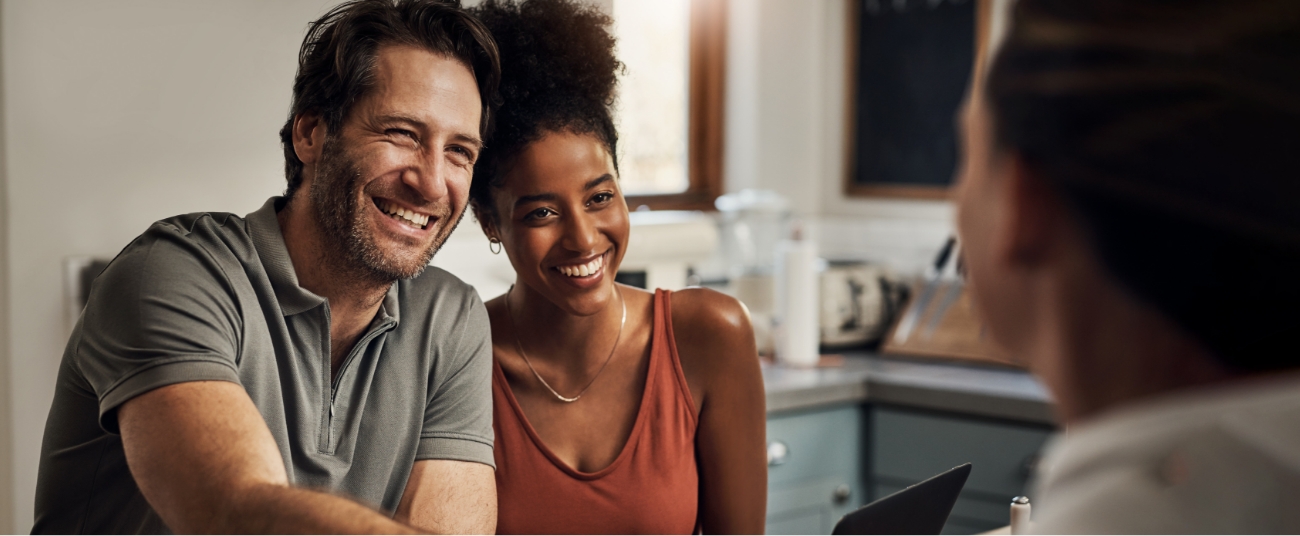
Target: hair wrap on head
[
  {"x": 558, "y": 74},
  {"x": 1172, "y": 128}
]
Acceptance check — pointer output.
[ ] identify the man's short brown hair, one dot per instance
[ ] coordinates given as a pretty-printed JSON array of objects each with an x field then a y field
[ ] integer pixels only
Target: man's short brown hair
[{"x": 336, "y": 63}]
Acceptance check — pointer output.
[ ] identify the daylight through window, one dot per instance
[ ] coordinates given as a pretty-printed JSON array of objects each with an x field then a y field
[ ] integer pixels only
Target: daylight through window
[{"x": 653, "y": 106}]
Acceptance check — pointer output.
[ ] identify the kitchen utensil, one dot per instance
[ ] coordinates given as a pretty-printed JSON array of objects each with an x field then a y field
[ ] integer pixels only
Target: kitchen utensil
[
  {"x": 933, "y": 273},
  {"x": 950, "y": 295}
]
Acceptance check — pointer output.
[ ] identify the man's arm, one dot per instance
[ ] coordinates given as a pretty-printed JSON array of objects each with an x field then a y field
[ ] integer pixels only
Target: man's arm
[
  {"x": 206, "y": 462},
  {"x": 452, "y": 487},
  {"x": 450, "y": 497}
]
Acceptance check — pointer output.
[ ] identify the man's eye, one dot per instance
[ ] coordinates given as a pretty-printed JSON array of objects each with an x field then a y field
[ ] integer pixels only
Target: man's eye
[
  {"x": 463, "y": 155},
  {"x": 403, "y": 133}
]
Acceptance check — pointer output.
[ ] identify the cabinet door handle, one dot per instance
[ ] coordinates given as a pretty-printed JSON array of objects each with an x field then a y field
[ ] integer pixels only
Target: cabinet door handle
[
  {"x": 842, "y": 493},
  {"x": 777, "y": 452}
]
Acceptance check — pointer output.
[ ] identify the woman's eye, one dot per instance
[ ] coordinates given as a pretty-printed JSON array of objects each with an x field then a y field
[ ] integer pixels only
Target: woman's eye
[
  {"x": 539, "y": 214},
  {"x": 600, "y": 198}
]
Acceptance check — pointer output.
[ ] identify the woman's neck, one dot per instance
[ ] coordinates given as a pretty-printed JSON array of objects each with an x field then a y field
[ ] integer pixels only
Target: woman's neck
[{"x": 553, "y": 335}]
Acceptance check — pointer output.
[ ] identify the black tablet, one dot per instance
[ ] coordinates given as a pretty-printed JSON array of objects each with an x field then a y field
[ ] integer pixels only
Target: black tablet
[{"x": 918, "y": 509}]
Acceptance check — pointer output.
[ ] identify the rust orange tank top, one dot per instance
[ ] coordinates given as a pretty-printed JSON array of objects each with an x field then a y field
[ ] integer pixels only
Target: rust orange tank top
[{"x": 651, "y": 487}]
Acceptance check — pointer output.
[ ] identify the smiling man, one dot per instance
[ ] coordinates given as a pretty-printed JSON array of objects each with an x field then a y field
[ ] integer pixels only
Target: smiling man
[{"x": 301, "y": 369}]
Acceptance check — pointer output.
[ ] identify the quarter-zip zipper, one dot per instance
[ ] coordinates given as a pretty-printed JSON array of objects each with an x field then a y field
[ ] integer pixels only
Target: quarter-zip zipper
[
  {"x": 334, "y": 383},
  {"x": 356, "y": 348}
]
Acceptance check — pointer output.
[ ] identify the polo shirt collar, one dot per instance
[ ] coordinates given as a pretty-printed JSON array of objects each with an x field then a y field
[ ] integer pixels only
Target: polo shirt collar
[
  {"x": 390, "y": 310},
  {"x": 264, "y": 228},
  {"x": 268, "y": 240}
]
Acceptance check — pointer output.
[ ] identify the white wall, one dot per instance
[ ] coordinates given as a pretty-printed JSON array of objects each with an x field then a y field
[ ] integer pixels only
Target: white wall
[
  {"x": 115, "y": 115},
  {"x": 786, "y": 124},
  {"x": 6, "y": 426}
]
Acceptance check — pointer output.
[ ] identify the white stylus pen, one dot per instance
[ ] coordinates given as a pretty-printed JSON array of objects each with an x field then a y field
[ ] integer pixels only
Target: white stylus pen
[{"x": 1020, "y": 515}]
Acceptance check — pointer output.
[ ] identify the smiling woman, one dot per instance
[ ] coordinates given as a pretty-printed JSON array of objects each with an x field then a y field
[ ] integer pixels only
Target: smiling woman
[
  {"x": 553, "y": 181},
  {"x": 615, "y": 410}
]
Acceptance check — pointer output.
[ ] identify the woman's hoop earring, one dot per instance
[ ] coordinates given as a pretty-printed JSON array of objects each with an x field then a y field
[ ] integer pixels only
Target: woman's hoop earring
[{"x": 494, "y": 246}]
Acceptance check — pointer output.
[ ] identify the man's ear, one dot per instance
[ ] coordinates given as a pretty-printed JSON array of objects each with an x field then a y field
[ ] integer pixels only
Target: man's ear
[
  {"x": 1034, "y": 216},
  {"x": 308, "y": 138}
]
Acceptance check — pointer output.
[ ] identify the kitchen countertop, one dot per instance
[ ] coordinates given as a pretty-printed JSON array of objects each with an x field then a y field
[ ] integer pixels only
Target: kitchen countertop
[{"x": 984, "y": 391}]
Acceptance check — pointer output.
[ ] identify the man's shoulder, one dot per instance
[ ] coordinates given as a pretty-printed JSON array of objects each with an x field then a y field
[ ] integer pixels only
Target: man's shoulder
[
  {"x": 440, "y": 289},
  {"x": 210, "y": 234},
  {"x": 189, "y": 248},
  {"x": 441, "y": 300},
  {"x": 204, "y": 226}
]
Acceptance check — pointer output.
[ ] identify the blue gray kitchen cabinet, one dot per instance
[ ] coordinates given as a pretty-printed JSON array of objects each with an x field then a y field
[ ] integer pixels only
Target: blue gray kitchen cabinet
[
  {"x": 840, "y": 437},
  {"x": 826, "y": 462},
  {"x": 908, "y": 446},
  {"x": 815, "y": 471}
]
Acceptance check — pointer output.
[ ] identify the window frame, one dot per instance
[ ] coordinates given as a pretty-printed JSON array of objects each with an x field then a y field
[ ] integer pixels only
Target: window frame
[
  {"x": 706, "y": 102},
  {"x": 853, "y": 190}
]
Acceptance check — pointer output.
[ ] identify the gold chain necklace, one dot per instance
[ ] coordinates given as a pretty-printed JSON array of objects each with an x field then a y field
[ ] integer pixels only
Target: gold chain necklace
[{"x": 510, "y": 314}]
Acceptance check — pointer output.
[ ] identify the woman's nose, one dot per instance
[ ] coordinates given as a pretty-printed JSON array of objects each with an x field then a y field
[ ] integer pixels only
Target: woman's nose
[{"x": 582, "y": 234}]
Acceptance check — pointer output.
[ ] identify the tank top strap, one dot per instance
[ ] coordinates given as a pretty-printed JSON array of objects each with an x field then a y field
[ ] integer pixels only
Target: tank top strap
[{"x": 664, "y": 352}]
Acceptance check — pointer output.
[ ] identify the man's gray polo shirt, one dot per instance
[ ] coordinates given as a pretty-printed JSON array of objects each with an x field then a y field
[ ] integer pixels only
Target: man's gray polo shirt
[{"x": 213, "y": 296}]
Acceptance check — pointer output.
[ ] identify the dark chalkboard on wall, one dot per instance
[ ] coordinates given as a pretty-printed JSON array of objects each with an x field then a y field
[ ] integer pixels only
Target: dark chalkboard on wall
[{"x": 913, "y": 60}]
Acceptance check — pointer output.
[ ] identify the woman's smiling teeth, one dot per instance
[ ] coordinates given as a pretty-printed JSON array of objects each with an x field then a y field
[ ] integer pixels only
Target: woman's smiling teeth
[
  {"x": 402, "y": 214},
  {"x": 583, "y": 270}
]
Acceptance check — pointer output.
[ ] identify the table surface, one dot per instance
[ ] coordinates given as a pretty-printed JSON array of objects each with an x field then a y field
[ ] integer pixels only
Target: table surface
[{"x": 985, "y": 391}]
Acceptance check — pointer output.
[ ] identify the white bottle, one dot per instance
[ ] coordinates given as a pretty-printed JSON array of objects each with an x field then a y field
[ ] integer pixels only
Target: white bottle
[
  {"x": 1020, "y": 515},
  {"x": 797, "y": 333}
]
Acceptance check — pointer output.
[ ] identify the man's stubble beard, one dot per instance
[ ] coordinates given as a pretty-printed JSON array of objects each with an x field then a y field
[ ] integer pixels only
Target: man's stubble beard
[{"x": 348, "y": 246}]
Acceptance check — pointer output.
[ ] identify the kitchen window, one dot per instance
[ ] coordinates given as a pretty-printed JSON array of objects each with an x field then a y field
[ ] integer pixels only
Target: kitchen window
[{"x": 670, "y": 102}]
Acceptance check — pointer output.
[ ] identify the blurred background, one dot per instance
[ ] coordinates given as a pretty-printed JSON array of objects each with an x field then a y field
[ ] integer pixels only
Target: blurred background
[{"x": 119, "y": 113}]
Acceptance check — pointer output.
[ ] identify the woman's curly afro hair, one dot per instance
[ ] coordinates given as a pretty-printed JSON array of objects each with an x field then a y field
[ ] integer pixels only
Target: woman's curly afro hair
[{"x": 558, "y": 74}]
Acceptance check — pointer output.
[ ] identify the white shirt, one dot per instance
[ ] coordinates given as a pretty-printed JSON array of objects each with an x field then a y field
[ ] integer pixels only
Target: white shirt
[{"x": 1221, "y": 460}]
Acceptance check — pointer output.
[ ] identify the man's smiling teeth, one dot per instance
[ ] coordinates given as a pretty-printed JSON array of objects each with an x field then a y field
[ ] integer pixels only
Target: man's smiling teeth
[
  {"x": 583, "y": 270},
  {"x": 411, "y": 217}
]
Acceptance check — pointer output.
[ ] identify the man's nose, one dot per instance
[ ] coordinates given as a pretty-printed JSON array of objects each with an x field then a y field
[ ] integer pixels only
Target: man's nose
[{"x": 428, "y": 176}]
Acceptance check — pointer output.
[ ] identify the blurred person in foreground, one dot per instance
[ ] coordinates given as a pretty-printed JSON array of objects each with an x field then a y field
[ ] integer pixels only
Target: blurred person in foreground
[
  {"x": 301, "y": 369},
  {"x": 617, "y": 410},
  {"x": 1130, "y": 214}
]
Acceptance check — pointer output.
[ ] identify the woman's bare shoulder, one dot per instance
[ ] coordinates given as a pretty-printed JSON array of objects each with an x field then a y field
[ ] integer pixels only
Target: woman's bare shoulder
[
  {"x": 708, "y": 310},
  {"x": 712, "y": 329}
]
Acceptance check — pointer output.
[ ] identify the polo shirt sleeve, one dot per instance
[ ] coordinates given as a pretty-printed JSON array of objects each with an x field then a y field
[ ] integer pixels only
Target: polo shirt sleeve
[
  {"x": 458, "y": 413},
  {"x": 161, "y": 313}
]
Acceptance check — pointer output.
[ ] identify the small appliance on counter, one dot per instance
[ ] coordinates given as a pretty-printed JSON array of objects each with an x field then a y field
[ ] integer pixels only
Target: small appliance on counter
[
  {"x": 858, "y": 302},
  {"x": 751, "y": 224}
]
